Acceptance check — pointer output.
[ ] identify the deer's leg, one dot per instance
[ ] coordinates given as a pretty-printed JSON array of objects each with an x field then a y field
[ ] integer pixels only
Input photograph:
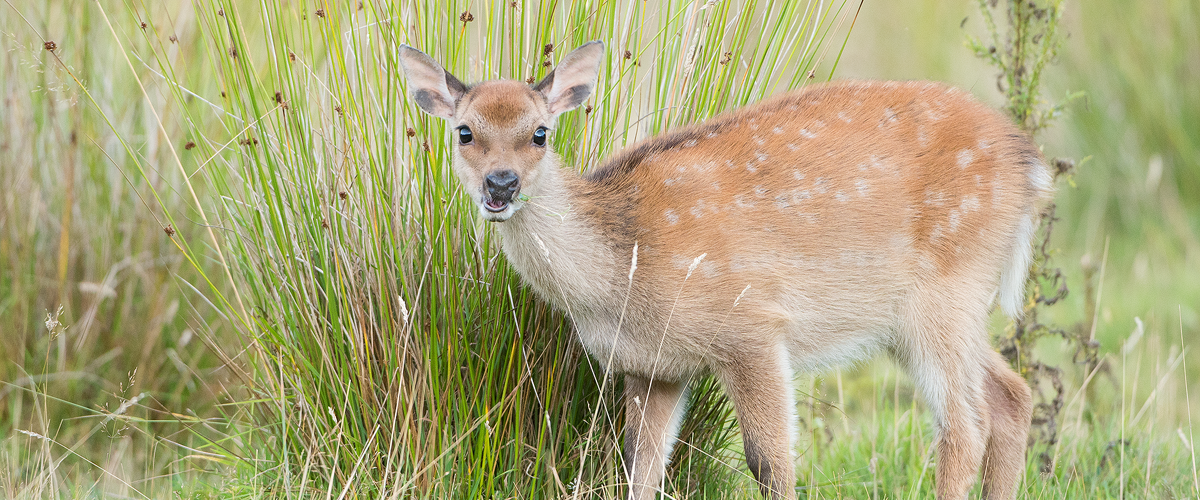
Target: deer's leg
[
  {"x": 760, "y": 385},
  {"x": 1010, "y": 407},
  {"x": 653, "y": 411},
  {"x": 946, "y": 353}
]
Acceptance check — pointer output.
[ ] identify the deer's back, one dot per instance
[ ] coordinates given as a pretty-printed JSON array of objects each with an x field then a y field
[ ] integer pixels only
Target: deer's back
[{"x": 850, "y": 192}]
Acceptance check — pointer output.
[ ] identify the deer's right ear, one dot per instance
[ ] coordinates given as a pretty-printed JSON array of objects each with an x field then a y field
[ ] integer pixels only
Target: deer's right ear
[{"x": 433, "y": 88}]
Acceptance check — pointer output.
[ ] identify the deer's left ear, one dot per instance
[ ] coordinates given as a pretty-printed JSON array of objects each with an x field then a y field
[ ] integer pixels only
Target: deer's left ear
[
  {"x": 573, "y": 80},
  {"x": 433, "y": 88}
]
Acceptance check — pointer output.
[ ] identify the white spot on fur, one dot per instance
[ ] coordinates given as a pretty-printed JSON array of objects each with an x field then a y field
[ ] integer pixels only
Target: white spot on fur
[
  {"x": 690, "y": 143},
  {"x": 936, "y": 199},
  {"x": 965, "y": 157},
  {"x": 781, "y": 202},
  {"x": 792, "y": 147},
  {"x": 671, "y": 216},
  {"x": 800, "y": 195},
  {"x": 709, "y": 269},
  {"x": 759, "y": 140},
  {"x": 750, "y": 167},
  {"x": 805, "y": 133},
  {"x": 703, "y": 207},
  {"x": 821, "y": 185},
  {"x": 760, "y": 155},
  {"x": 711, "y": 134},
  {"x": 760, "y": 191},
  {"x": 777, "y": 130},
  {"x": 878, "y": 163},
  {"x": 889, "y": 117},
  {"x": 798, "y": 175},
  {"x": 969, "y": 204},
  {"x": 716, "y": 186},
  {"x": 936, "y": 233},
  {"x": 862, "y": 186},
  {"x": 984, "y": 144},
  {"x": 841, "y": 196},
  {"x": 844, "y": 117},
  {"x": 955, "y": 218}
]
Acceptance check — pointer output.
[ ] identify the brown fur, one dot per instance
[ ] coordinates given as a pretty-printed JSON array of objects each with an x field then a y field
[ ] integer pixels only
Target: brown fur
[{"x": 806, "y": 231}]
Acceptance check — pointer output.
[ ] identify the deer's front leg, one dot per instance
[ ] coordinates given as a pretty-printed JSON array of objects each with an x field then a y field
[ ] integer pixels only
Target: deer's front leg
[
  {"x": 653, "y": 411},
  {"x": 760, "y": 385}
]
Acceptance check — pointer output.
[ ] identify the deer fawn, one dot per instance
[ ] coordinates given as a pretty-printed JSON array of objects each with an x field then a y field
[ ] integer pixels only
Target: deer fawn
[{"x": 806, "y": 231}]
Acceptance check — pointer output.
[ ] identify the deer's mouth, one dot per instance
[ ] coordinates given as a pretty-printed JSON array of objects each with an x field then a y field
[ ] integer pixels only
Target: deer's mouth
[{"x": 495, "y": 206}]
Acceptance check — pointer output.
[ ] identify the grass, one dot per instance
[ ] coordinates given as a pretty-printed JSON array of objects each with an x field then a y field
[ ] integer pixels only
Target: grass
[{"x": 327, "y": 318}]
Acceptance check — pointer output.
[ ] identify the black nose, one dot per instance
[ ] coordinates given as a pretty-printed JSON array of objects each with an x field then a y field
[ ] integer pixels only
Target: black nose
[{"x": 502, "y": 184}]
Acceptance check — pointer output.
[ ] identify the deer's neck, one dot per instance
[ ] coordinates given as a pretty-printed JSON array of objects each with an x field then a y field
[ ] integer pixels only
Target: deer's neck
[{"x": 557, "y": 248}]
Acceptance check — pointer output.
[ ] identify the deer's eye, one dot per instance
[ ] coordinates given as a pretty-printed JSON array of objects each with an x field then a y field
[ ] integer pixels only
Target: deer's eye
[
  {"x": 464, "y": 135},
  {"x": 539, "y": 136}
]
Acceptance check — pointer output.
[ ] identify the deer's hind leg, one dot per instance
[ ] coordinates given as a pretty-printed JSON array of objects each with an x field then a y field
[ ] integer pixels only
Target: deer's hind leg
[
  {"x": 1010, "y": 407},
  {"x": 944, "y": 348}
]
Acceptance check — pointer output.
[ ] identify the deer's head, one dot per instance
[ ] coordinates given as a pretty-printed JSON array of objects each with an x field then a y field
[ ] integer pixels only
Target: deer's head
[{"x": 501, "y": 128}]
